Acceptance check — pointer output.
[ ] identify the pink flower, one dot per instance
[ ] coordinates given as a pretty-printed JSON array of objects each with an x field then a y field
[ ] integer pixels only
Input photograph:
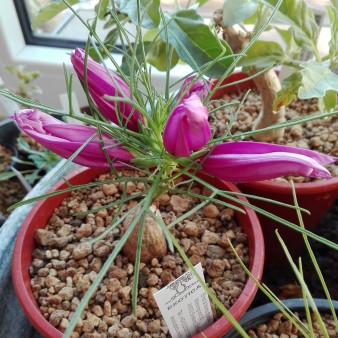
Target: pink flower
[
  {"x": 246, "y": 161},
  {"x": 187, "y": 128},
  {"x": 65, "y": 139},
  {"x": 200, "y": 88},
  {"x": 101, "y": 83}
]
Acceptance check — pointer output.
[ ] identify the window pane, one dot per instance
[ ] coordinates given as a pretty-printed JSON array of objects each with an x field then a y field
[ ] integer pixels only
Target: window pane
[{"x": 67, "y": 27}]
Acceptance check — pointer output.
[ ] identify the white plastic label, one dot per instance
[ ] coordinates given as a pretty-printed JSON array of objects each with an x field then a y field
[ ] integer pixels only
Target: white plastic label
[{"x": 184, "y": 305}]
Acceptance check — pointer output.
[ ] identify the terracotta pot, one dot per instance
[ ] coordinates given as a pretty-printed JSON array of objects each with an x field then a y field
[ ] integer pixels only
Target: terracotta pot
[
  {"x": 317, "y": 197},
  {"x": 264, "y": 313},
  {"x": 41, "y": 212}
]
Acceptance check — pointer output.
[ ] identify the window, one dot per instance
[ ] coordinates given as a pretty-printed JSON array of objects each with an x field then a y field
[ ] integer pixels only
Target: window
[{"x": 65, "y": 30}]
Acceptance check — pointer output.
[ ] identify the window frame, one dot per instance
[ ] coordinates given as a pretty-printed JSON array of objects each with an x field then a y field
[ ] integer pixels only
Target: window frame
[{"x": 32, "y": 39}]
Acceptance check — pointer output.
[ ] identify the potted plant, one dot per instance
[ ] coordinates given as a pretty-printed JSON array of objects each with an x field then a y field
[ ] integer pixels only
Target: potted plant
[
  {"x": 41, "y": 213},
  {"x": 8, "y": 134},
  {"x": 166, "y": 139},
  {"x": 26, "y": 161},
  {"x": 268, "y": 319},
  {"x": 309, "y": 79}
]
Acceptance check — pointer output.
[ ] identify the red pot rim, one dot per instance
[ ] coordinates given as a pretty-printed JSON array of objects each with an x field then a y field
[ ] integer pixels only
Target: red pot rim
[
  {"x": 307, "y": 188},
  {"x": 24, "y": 245}
]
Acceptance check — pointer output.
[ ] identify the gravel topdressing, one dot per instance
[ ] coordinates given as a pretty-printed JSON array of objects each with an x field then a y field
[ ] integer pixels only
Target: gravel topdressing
[{"x": 67, "y": 260}]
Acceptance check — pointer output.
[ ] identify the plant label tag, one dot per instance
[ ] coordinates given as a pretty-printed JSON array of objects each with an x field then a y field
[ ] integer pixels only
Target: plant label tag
[{"x": 185, "y": 305}]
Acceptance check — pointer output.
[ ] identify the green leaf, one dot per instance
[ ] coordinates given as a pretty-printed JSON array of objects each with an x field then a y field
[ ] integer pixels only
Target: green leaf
[
  {"x": 330, "y": 100},
  {"x": 297, "y": 14},
  {"x": 288, "y": 93},
  {"x": 50, "y": 11},
  {"x": 195, "y": 43},
  {"x": 236, "y": 11},
  {"x": 6, "y": 175},
  {"x": 332, "y": 11},
  {"x": 31, "y": 178},
  {"x": 292, "y": 48},
  {"x": 131, "y": 56},
  {"x": 103, "y": 9},
  {"x": 201, "y": 2},
  {"x": 157, "y": 56},
  {"x": 149, "y": 12},
  {"x": 263, "y": 54},
  {"x": 316, "y": 80}
]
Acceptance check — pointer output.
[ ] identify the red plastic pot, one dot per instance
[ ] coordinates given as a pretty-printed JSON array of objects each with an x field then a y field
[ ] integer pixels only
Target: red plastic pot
[
  {"x": 41, "y": 212},
  {"x": 317, "y": 197}
]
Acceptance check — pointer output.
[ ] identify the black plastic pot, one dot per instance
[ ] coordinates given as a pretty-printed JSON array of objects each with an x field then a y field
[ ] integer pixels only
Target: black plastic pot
[
  {"x": 264, "y": 313},
  {"x": 9, "y": 133}
]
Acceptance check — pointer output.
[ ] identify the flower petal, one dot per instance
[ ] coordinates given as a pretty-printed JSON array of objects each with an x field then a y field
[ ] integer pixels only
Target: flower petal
[
  {"x": 253, "y": 161},
  {"x": 101, "y": 84},
  {"x": 65, "y": 139},
  {"x": 187, "y": 128}
]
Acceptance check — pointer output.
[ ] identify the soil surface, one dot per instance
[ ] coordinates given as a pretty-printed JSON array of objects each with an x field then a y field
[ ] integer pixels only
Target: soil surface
[{"x": 281, "y": 327}]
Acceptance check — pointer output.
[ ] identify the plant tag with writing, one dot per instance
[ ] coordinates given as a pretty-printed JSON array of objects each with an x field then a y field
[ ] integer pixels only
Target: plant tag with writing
[{"x": 185, "y": 305}]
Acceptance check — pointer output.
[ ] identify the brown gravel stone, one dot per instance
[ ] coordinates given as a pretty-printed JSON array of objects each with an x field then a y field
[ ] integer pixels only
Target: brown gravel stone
[
  {"x": 84, "y": 231},
  {"x": 82, "y": 250},
  {"x": 211, "y": 211},
  {"x": 191, "y": 229},
  {"x": 109, "y": 189},
  {"x": 43, "y": 236}
]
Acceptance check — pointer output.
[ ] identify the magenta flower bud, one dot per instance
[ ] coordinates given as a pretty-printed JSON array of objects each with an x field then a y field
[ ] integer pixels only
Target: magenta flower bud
[
  {"x": 100, "y": 84},
  {"x": 187, "y": 128},
  {"x": 200, "y": 87},
  {"x": 246, "y": 161},
  {"x": 65, "y": 139}
]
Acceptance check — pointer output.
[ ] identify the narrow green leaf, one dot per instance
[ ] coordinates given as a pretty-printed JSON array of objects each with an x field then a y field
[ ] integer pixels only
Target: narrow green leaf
[
  {"x": 263, "y": 54},
  {"x": 297, "y": 14},
  {"x": 316, "y": 80},
  {"x": 195, "y": 43},
  {"x": 289, "y": 90},
  {"x": 149, "y": 12},
  {"x": 235, "y": 12},
  {"x": 50, "y": 11}
]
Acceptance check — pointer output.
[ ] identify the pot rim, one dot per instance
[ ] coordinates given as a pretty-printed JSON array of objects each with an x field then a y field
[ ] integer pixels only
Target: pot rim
[
  {"x": 265, "y": 311},
  {"x": 24, "y": 292},
  {"x": 306, "y": 188}
]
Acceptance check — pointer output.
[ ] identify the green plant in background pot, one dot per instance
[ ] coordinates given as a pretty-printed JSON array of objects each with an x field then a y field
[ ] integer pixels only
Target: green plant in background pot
[
  {"x": 312, "y": 79},
  {"x": 27, "y": 161},
  {"x": 151, "y": 146}
]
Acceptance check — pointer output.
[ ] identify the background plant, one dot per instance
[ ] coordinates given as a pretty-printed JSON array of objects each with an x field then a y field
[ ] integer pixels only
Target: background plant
[
  {"x": 185, "y": 27},
  {"x": 310, "y": 79}
]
